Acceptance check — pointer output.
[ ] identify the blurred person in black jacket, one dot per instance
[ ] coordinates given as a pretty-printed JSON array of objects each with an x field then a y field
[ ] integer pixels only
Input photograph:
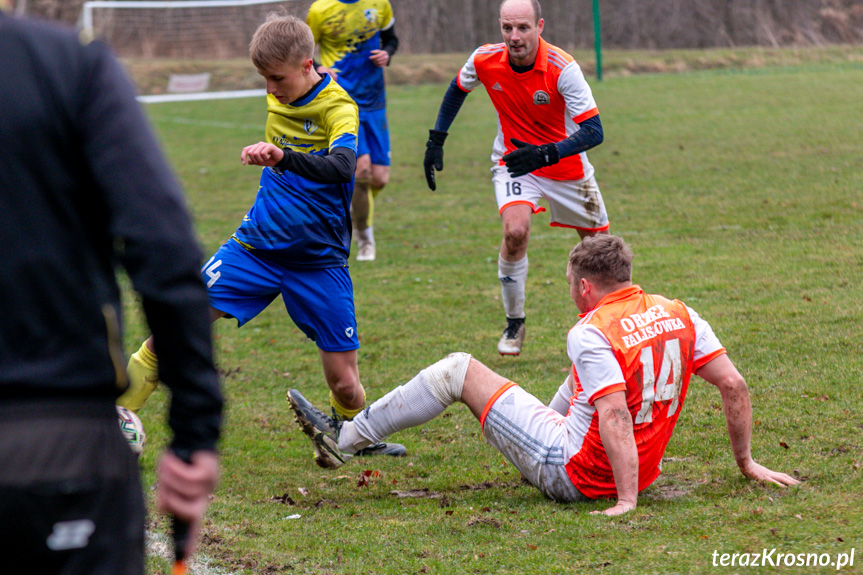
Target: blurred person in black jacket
[{"x": 84, "y": 188}]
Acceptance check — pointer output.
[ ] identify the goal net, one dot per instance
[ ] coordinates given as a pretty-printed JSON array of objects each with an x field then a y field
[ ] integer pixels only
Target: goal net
[{"x": 196, "y": 40}]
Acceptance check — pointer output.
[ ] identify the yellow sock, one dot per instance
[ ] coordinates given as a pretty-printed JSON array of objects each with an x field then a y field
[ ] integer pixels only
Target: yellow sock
[
  {"x": 373, "y": 193},
  {"x": 143, "y": 371},
  {"x": 342, "y": 411}
]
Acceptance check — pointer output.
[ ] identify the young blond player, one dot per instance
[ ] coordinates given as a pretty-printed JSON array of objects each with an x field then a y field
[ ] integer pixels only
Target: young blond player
[{"x": 296, "y": 238}]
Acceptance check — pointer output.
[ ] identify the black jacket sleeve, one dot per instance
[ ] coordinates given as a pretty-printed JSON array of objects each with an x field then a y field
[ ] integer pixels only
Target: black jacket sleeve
[
  {"x": 159, "y": 250},
  {"x": 83, "y": 187},
  {"x": 449, "y": 107},
  {"x": 389, "y": 41},
  {"x": 337, "y": 167},
  {"x": 588, "y": 136}
]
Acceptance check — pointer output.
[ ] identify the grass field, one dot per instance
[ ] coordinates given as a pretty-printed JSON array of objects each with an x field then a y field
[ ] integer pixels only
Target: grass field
[{"x": 741, "y": 193}]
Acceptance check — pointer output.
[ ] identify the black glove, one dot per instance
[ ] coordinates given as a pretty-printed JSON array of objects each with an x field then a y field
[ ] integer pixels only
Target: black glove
[
  {"x": 528, "y": 157},
  {"x": 434, "y": 156}
]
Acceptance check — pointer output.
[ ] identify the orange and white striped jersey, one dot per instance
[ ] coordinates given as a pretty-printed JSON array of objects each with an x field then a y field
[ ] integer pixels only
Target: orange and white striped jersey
[
  {"x": 647, "y": 346},
  {"x": 543, "y": 105}
]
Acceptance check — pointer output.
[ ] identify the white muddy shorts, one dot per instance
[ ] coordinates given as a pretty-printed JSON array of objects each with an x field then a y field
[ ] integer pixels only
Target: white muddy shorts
[
  {"x": 532, "y": 437},
  {"x": 572, "y": 203}
]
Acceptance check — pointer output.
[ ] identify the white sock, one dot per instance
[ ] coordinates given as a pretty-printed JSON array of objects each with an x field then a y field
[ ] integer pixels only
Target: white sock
[
  {"x": 420, "y": 400},
  {"x": 513, "y": 277},
  {"x": 560, "y": 401},
  {"x": 366, "y": 235}
]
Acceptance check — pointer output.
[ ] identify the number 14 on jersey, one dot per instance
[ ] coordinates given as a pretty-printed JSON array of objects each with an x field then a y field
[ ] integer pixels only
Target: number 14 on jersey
[{"x": 666, "y": 386}]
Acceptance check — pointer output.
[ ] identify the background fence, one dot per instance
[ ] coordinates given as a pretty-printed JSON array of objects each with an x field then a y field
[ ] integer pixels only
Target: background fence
[{"x": 460, "y": 25}]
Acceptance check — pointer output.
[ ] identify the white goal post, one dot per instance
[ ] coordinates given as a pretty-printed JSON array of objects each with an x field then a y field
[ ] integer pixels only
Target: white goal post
[
  {"x": 87, "y": 10},
  {"x": 184, "y": 37}
]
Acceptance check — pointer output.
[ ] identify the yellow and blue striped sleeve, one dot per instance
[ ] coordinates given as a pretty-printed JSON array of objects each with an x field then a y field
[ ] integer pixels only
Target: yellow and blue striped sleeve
[{"x": 342, "y": 123}]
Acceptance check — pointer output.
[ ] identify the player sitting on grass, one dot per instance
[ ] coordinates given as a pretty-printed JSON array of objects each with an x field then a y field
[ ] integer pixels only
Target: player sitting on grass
[
  {"x": 605, "y": 431},
  {"x": 296, "y": 237}
]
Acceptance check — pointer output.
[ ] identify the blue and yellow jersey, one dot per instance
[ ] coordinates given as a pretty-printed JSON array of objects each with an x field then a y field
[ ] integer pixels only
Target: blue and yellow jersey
[
  {"x": 296, "y": 221},
  {"x": 347, "y": 31}
]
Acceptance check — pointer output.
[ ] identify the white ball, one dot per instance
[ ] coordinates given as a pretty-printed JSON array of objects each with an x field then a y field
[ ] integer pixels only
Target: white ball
[{"x": 132, "y": 428}]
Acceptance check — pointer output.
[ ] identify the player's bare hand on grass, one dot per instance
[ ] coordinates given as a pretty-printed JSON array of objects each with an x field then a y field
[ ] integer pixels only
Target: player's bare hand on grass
[
  {"x": 758, "y": 472},
  {"x": 379, "y": 58},
  {"x": 619, "y": 509},
  {"x": 262, "y": 154},
  {"x": 434, "y": 156}
]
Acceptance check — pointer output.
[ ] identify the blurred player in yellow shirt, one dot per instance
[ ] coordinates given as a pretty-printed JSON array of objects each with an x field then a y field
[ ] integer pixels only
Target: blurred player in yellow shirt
[{"x": 357, "y": 39}]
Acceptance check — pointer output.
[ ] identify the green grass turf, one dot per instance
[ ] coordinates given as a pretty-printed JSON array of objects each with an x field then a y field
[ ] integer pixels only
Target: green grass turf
[{"x": 740, "y": 193}]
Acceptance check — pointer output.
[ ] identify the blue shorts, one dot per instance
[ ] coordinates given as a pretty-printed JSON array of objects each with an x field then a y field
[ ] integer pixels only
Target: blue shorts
[
  {"x": 319, "y": 301},
  {"x": 374, "y": 137}
]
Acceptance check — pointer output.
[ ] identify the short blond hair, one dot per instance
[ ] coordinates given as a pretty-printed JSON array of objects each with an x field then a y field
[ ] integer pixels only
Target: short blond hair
[
  {"x": 603, "y": 259},
  {"x": 281, "y": 39}
]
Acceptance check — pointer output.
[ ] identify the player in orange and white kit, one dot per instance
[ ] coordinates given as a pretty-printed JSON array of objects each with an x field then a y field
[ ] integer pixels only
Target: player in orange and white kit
[
  {"x": 605, "y": 432},
  {"x": 547, "y": 119}
]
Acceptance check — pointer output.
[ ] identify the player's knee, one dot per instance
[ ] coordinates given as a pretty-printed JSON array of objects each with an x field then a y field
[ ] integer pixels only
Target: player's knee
[
  {"x": 364, "y": 168},
  {"x": 348, "y": 392},
  {"x": 734, "y": 382},
  {"x": 380, "y": 178},
  {"x": 348, "y": 407},
  {"x": 446, "y": 377},
  {"x": 344, "y": 381},
  {"x": 345, "y": 384},
  {"x": 516, "y": 237}
]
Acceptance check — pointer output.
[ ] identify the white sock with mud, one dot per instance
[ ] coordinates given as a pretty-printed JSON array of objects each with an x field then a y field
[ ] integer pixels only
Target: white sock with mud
[
  {"x": 367, "y": 235},
  {"x": 420, "y": 400},
  {"x": 513, "y": 277}
]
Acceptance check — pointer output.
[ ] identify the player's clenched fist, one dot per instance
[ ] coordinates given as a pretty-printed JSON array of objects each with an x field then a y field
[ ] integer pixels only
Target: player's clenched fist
[{"x": 261, "y": 154}]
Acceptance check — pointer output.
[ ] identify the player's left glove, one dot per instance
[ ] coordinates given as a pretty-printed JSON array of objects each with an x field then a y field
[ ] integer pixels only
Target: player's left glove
[
  {"x": 528, "y": 157},
  {"x": 434, "y": 156}
]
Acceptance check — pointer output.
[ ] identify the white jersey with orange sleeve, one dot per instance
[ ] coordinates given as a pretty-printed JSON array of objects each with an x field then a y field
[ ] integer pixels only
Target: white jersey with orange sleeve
[
  {"x": 648, "y": 347},
  {"x": 542, "y": 105}
]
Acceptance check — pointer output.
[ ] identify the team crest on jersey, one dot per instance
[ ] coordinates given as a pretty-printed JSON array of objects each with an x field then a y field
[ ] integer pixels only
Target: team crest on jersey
[
  {"x": 541, "y": 97},
  {"x": 371, "y": 15},
  {"x": 310, "y": 126}
]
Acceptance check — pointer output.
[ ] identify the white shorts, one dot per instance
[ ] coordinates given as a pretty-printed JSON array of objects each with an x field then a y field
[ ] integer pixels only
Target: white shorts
[
  {"x": 572, "y": 203},
  {"x": 533, "y": 438}
]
